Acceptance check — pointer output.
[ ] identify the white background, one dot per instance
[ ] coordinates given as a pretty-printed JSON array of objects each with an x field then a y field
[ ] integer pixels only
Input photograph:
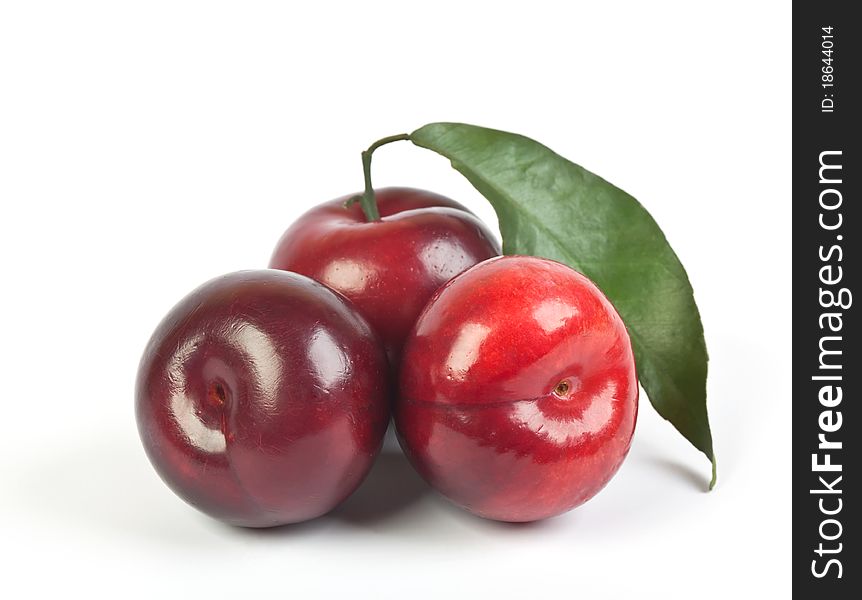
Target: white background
[{"x": 146, "y": 147}]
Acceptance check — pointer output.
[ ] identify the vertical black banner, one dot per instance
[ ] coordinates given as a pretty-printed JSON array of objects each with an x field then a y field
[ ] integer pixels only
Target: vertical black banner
[{"x": 827, "y": 364}]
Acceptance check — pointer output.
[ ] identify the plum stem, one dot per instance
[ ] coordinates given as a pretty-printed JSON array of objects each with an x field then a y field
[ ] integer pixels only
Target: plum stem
[{"x": 367, "y": 200}]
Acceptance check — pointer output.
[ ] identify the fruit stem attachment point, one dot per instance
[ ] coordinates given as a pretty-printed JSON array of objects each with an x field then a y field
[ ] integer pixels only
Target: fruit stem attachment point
[
  {"x": 562, "y": 388},
  {"x": 367, "y": 200}
]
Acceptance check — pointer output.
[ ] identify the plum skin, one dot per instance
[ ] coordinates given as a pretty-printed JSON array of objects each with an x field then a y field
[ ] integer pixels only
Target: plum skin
[
  {"x": 391, "y": 267},
  {"x": 262, "y": 398},
  {"x": 518, "y": 392}
]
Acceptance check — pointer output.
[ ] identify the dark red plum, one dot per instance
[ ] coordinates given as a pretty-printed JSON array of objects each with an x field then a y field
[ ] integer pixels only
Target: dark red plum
[
  {"x": 390, "y": 267},
  {"x": 262, "y": 398}
]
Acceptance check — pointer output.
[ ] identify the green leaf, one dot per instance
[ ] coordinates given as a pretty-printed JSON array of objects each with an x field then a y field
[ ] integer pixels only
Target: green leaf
[{"x": 548, "y": 206}]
